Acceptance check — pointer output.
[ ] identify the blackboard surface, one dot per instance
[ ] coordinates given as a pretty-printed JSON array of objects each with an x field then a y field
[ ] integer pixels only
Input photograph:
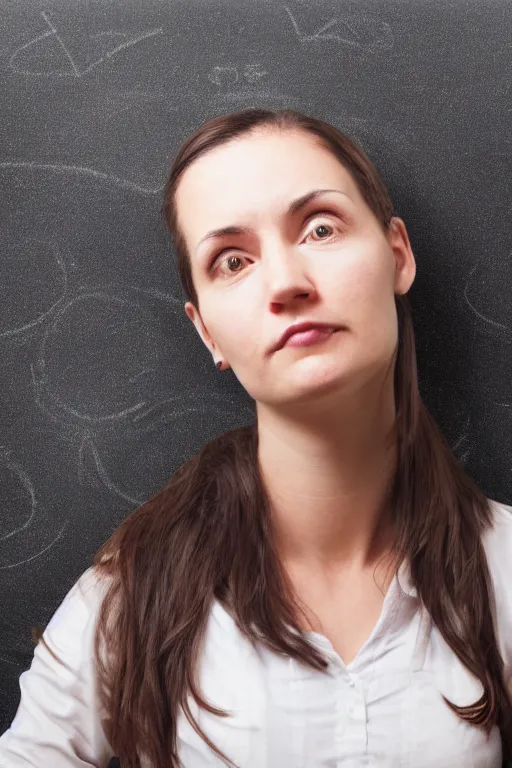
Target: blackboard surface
[{"x": 105, "y": 387}]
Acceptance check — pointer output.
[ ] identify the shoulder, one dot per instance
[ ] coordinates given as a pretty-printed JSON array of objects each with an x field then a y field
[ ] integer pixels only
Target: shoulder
[
  {"x": 59, "y": 717},
  {"x": 71, "y": 628},
  {"x": 497, "y": 542},
  {"x": 84, "y": 597}
]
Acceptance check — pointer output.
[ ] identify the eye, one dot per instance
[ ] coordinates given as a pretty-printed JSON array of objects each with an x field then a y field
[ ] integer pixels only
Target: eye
[
  {"x": 227, "y": 252},
  {"x": 216, "y": 257},
  {"x": 322, "y": 225}
]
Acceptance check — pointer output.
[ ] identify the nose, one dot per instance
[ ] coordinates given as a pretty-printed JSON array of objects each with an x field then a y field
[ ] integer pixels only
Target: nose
[{"x": 286, "y": 274}]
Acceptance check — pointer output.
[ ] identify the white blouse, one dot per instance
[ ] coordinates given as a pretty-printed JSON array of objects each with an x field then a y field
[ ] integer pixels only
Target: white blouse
[{"x": 384, "y": 708}]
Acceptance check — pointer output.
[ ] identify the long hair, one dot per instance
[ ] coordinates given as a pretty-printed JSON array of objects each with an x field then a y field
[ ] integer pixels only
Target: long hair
[{"x": 207, "y": 534}]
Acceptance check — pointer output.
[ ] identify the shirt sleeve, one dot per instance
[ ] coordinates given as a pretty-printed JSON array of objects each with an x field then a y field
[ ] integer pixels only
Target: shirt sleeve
[
  {"x": 498, "y": 547},
  {"x": 58, "y": 721}
]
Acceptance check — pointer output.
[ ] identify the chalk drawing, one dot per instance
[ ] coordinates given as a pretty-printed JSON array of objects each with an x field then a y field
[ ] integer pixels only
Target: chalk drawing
[
  {"x": 90, "y": 310},
  {"x": 25, "y": 482},
  {"x": 355, "y": 30},
  {"x": 88, "y": 451},
  {"x": 463, "y": 436},
  {"x": 20, "y": 474},
  {"x": 43, "y": 315},
  {"x": 38, "y": 554},
  {"x": 92, "y": 468},
  {"x": 84, "y": 171},
  {"x": 489, "y": 322},
  {"x": 69, "y": 66}
]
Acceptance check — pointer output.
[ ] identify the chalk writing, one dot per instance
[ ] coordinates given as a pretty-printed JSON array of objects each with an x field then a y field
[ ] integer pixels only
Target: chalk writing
[{"x": 229, "y": 75}]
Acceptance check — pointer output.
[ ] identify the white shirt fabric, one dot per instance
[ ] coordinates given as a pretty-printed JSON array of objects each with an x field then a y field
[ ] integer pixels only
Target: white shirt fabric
[{"x": 385, "y": 708}]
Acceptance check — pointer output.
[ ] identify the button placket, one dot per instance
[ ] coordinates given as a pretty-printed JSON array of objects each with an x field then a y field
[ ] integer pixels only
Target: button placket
[
  {"x": 356, "y": 731},
  {"x": 358, "y": 707},
  {"x": 298, "y": 744}
]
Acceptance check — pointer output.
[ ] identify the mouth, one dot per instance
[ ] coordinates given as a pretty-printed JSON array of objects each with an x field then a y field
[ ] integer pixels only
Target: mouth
[
  {"x": 309, "y": 336},
  {"x": 307, "y": 332}
]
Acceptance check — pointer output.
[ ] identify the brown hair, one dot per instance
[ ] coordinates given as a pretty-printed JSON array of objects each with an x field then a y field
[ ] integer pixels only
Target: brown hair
[{"x": 206, "y": 535}]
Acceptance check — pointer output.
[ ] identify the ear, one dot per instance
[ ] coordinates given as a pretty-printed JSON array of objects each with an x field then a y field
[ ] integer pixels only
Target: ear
[
  {"x": 405, "y": 263},
  {"x": 193, "y": 314}
]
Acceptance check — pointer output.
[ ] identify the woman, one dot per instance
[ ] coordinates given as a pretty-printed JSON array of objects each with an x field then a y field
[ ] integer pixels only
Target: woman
[{"x": 330, "y": 578}]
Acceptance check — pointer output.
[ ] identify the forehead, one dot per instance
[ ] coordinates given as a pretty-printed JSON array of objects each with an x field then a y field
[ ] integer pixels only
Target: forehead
[{"x": 251, "y": 179}]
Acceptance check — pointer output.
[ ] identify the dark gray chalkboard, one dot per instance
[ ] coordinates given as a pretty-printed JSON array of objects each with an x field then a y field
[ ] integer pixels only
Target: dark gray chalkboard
[{"x": 105, "y": 386}]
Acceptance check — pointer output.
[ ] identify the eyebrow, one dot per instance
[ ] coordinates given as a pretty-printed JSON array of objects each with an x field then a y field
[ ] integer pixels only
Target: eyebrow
[{"x": 292, "y": 209}]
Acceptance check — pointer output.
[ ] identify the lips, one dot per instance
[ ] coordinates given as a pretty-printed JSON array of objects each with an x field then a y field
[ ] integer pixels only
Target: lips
[
  {"x": 300, "y": 327},
  {"x": 305, "y": 338}
]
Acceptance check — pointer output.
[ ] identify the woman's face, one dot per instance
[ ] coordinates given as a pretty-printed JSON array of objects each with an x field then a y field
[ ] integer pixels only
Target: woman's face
[{"x": 326, "y": 261}]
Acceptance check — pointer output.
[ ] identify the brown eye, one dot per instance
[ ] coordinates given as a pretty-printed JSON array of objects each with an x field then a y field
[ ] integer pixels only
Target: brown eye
[
  {"x": 232, "y": 258},
  {"x": 228, "y": 257},
  {"x": 323, "y": 227}
]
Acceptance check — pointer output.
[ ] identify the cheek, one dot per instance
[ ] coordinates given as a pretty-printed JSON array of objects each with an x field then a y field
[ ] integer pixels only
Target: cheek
[
  {"x": 238, "y": 334},
  {"x": 365, "y": 271},
  {"x": 367, "y": 303},
  {"x": 362, "y": 281}
]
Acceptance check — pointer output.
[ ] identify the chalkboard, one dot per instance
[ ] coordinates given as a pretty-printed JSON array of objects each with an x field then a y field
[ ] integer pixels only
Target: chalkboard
[{"x": 105, "y": 386}]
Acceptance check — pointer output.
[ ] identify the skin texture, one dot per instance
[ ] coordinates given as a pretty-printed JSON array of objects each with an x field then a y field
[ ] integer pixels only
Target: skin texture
[{"x": 326, "y": 411}]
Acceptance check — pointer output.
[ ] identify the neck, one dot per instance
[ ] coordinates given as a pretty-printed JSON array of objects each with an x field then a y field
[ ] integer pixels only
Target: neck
[{"x": 328, "y": 475}]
